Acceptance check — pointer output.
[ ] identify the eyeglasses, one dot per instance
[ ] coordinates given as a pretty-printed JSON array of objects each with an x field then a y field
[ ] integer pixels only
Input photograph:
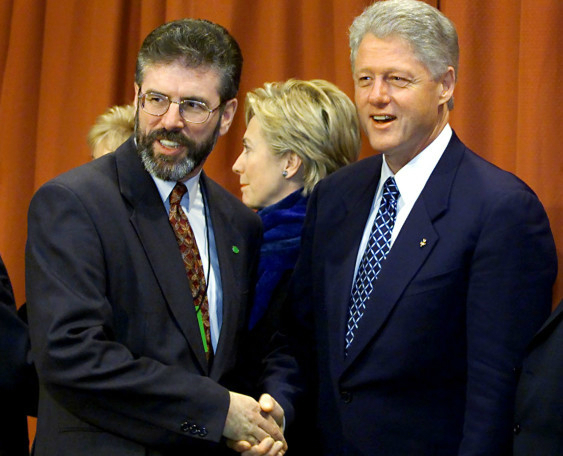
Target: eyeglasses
[{"x": 157, "y": 104}]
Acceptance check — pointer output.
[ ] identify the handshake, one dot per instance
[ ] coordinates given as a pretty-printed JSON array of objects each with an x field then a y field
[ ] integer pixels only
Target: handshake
[{"x": 255, "y": 428}]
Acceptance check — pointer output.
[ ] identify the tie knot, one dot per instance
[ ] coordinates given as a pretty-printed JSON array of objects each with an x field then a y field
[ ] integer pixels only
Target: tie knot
[
  {"x": 390, "y": 189},
  {"x": 177, "y": 194}
]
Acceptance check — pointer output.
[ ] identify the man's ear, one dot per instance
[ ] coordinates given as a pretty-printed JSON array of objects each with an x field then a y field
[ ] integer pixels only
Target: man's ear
[
  {"x": 448, "y": 85},
  {"x": 228, "y": 115},
  {"x": 137, "y": 88}
]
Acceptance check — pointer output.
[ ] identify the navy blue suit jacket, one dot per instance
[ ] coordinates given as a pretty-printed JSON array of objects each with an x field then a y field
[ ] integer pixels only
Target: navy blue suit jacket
[
  {"x": 464, "y": 288},
  {"x": 114, "y": 333},
  {"x": 18, "y": 382},
  {"x": 538, "y": 425}
]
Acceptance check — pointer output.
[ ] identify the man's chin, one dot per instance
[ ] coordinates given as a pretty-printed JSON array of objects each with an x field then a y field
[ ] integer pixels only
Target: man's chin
[
  {"x": 178, "y": 172},
  {"x": 169, "y": 159},
  {"x": 168, "y": 168}
]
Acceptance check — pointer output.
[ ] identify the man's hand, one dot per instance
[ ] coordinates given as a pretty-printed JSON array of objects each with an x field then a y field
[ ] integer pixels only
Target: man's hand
[
  {"x": 267, "y": 447},
  {"x": 246, "y": 420},
  {"x": 268, "y": 439},
  {"x": 269, "y": 405}
]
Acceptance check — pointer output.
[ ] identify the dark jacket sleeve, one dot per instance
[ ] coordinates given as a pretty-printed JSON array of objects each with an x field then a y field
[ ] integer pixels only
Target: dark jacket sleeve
[{"x": 18, "y": 381}]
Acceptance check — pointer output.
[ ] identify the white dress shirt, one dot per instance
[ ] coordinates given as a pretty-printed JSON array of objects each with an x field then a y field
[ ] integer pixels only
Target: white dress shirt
[
  {"x": 193, "y": 205},
  {"x": 410, "y": 180}
]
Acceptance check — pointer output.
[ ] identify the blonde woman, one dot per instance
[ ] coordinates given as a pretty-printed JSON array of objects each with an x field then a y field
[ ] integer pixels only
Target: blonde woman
[{"x": 297, "y": 133}]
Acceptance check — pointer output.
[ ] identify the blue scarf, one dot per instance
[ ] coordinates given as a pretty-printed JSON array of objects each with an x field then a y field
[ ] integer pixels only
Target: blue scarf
[{"x": 282, "y": 223}]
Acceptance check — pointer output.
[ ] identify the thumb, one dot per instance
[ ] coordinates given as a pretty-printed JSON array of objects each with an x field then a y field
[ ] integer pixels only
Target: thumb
[{"x": 267, "y": 403}]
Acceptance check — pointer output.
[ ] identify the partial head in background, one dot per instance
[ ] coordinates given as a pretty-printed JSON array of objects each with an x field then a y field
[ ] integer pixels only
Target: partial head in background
[
  {"x": 297, "y": 133},
  {"x": 112, "y": 128},
  {"x": 187, "y": 77}
]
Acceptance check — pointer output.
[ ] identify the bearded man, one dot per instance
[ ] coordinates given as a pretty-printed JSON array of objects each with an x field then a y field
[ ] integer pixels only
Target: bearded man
[{"x": 140, "y": 270}]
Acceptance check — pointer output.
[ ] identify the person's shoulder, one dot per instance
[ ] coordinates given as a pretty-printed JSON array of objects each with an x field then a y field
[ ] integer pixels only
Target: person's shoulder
[
  {"x": 366, "y": 167},
  {"x": 222, "y": 198},
  {"x": 6, "y": 291},
  {"x": 353, "y": 175},
  {"x": 484, "y": 195},
  {"x": 98, "y": 171},
  {"x": 221, "y": 194},
  {"x": 552, "y": 324},
  {"x": 87, "y": 182},
  {"x": 486, "y": 177}
]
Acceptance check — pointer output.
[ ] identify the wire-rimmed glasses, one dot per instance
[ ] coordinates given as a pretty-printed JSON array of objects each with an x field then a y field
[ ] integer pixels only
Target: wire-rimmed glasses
[{"x": 157, "y": 104}]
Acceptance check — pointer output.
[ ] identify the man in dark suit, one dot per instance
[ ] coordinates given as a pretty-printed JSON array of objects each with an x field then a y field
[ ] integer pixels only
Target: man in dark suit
[
  {"x": 18, "y": 381},
  {"x": 538, "y": 427},
  {"x": 420, "y": 359},
  {"x": 139, "y": 270}
]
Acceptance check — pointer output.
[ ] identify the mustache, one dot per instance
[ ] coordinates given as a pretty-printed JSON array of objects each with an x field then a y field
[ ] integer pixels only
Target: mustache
[{"x": 175, "y": 136}]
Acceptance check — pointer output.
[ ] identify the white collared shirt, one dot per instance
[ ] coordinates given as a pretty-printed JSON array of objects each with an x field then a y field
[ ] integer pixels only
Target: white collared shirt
[
  {"x": 410, "y": 180},
  {"x": 194, "y": 207}
]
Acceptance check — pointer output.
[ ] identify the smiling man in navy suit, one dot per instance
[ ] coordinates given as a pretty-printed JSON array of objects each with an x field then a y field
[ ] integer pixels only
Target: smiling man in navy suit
[{"x": 410, "y": 332}]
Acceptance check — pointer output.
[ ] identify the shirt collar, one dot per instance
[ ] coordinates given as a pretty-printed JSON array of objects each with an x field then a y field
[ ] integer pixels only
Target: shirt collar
[
  {"x": 412, "y": 177},
  {"x": 165, "y": 188}
]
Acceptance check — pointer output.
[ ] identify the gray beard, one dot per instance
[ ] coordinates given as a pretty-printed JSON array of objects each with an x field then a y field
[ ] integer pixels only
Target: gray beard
[{"x": 173, "y": 168}]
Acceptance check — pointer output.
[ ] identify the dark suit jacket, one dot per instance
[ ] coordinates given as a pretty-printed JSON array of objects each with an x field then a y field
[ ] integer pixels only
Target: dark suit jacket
[
  {"x": 18, "y": 381},
  {"x": 539, "y": 397},
  {"x": 117, "y": 345},
  {"x": 431, "y": 368}
]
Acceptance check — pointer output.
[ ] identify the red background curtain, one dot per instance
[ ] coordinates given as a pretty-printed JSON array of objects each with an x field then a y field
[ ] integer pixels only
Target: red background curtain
[{"x": 63, "y": 62}]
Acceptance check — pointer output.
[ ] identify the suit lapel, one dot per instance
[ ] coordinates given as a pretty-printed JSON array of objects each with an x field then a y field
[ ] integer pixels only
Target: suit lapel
[
  {"x": 549, "y": 325},
  {"x": 412, "y": 247},
  {"x": 226, "y": 237},
  {"x": 150, "y": 221},
  {"x": 400, "y": 266},
  {"x": 345, "y": 230}
]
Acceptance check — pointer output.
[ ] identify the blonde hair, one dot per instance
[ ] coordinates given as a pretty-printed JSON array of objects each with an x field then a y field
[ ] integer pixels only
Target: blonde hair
[
  {"x": 314, "y": 119},
  {"x": 111, "y": 129}
]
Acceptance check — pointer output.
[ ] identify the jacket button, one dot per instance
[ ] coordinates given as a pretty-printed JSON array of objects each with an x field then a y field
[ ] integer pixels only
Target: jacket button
[
  {"x": 517, "y": 429},
  {"x": 346, "y": 396},
  {"x": 185, "y": 426},
  {"x": 202, "y": 432}
]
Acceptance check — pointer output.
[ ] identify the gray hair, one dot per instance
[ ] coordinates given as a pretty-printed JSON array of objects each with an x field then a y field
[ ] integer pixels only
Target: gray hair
[
  {"x": 194, "y": 42},
  {"x": 431, "y": 35}
]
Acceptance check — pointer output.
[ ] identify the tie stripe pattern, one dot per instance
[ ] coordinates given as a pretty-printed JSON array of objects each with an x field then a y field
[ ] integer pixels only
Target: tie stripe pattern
[
  {"x": 376, "y": 251},
  {"x": 192, "y": 262}
]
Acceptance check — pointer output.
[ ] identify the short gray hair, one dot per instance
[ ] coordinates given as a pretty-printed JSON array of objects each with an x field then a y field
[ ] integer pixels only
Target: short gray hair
[{"x": 431, "y": 35}]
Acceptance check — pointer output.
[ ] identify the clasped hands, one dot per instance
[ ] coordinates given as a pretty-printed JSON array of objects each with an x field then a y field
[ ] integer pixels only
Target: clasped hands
[{"x": 255, "y": 428}]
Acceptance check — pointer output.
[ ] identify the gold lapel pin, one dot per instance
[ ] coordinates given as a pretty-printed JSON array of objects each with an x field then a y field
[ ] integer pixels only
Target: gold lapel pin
[{"x": 423, "y": 242}]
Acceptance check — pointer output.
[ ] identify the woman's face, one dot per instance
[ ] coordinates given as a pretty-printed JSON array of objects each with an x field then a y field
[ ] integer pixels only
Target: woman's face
[{"x": 261, "y": 180}]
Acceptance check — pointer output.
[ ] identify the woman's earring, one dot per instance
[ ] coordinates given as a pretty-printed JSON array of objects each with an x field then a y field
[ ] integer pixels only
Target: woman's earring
[{"x": 284, "y": 173}]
